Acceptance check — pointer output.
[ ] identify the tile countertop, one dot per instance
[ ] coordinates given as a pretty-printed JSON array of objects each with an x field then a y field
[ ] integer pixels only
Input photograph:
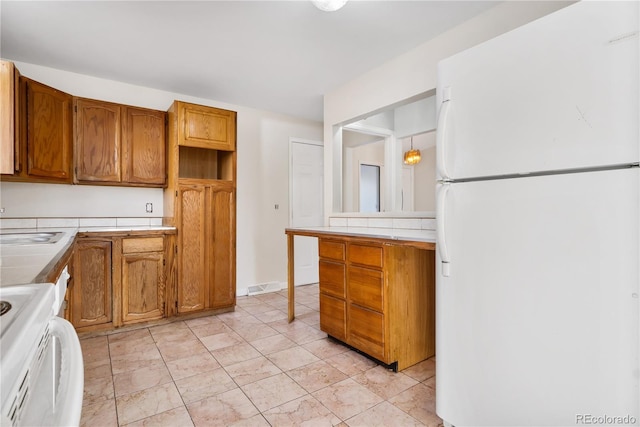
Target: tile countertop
[
  {"x": 409, "y": 235},
  {"x": 24, "y": 264}
]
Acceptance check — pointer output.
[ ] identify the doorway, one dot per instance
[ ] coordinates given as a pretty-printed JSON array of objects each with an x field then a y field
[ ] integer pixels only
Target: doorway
[{"x": 306, "y": 184}]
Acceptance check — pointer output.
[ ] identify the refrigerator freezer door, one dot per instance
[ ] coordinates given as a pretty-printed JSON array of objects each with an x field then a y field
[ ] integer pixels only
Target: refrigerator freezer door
[
  {"x": 558, "y": 93},
  {"x": 537, "y": 322}
]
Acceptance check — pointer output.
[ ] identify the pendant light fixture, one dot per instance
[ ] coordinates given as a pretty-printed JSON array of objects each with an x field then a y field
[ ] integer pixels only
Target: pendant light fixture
[
  {"x": 328, "y": 5},
  {"x": 412, "y": 157}
]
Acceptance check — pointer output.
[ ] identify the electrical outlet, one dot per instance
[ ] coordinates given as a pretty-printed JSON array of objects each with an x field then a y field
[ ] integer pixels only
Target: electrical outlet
[
  {"x": 149, "y": 207},
  {"x": 1, "y": 210}
]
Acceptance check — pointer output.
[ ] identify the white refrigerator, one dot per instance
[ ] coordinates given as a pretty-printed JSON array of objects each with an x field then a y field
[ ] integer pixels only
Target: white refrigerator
[{"x": 539, "y": 224}]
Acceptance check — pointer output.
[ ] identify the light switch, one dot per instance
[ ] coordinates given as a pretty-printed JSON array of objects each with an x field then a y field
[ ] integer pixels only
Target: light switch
[{"x": 149, "y": 207}]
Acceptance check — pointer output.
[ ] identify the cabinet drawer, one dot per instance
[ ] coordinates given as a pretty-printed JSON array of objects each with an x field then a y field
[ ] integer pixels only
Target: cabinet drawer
[
  {"x": 366, "y": 287},
  {"x": 332, "y": 278},
  {"x": 366, "y": 331},
  {"x": 333, "y": 317},
  {"x": 331, "y": 249},
  {"x": 143, "y": 244},
  {"x": 365, "y": 255}
]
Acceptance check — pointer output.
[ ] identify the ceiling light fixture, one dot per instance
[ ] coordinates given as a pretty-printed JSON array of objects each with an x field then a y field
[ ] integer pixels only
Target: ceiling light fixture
[
  {"x": 328, "y": 5},
  {"x": 412, "y": 157}
]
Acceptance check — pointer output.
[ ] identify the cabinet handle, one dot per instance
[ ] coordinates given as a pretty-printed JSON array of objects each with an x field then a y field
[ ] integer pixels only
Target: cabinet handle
[
  {"x": 441, "y": 238},
  {"x": 441, "y": 135}
]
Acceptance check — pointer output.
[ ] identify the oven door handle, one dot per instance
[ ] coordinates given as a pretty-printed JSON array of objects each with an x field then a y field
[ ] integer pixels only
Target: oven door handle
[{"x": 71, "y": 385}]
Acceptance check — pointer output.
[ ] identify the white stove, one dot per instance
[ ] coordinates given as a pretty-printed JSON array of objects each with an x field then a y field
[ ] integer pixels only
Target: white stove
[{"x": 41, "y": 365}]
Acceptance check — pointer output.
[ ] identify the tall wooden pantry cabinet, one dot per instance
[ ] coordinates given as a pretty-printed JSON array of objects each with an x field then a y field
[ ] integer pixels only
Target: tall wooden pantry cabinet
[{"x": 200, "y": 202}]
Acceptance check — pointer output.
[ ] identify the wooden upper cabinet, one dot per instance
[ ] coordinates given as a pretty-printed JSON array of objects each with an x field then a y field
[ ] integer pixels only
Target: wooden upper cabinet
[
  {"x": 7, "y": 116},
  {"x": 206, "y": 127},
  {"x": 119, "y": 145},
  {"x": 97, "y": 150},
  {"x": 144, "y": 146},
  {"x": 49, "y": 132}
]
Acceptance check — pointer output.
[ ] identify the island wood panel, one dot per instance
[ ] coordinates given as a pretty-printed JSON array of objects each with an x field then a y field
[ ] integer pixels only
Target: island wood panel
[
  {"x": 144, "y": 146},
  {"x": 414, "y": 302},
  {"x": 193, "y": 274}
]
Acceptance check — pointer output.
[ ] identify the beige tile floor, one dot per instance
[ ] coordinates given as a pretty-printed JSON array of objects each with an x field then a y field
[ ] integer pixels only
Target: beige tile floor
[{"x": 248, "y": 368}]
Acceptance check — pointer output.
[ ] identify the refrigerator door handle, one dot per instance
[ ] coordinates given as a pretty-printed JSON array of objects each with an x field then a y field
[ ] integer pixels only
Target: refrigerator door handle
[
  {"x": 441, "y": 134},
  {"x": 440, "y": 229}
]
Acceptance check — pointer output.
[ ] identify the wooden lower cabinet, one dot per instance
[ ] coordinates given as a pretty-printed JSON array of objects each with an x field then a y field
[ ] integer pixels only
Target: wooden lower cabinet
[
  {"x": 206, "y": 258},
  {"x": 120, "y": 280},
  {"x": 379, "y": 297},
  {"x": 91, "y": 295},
  {"x": 192, "y": 261},
  {"x": 143, "y": 279}
]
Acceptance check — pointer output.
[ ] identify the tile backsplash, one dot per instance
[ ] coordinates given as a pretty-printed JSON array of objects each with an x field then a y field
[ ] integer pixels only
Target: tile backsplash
[
  {"x": 7, "y": 223},
  {"x": 412, "y": 223}
]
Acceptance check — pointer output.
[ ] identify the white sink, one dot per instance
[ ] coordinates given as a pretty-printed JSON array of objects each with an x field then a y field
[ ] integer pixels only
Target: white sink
[{"x": 30, "y": 238}]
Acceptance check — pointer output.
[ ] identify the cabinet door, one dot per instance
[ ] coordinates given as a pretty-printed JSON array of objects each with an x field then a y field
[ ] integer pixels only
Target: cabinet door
[
  {"x": 143, "y": 146},
  {"x": 97, "y": 148},
  {"x": 192, "y": 267},
  {"x": 49, "y": 132},
  {"x": 223, "y": 249},
  {"x": 142, "y": 286},
  {"x": 206, "y": 127},
  {"x": 91, "y": 290},
  {"x": 7, "y": 117}
]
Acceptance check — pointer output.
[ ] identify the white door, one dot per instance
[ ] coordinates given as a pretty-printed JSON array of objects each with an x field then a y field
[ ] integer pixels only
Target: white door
[
  {"x": 369, "y": 188},
  {"x": 537, "y": 322},
  {"x": 306, "y": 183}
]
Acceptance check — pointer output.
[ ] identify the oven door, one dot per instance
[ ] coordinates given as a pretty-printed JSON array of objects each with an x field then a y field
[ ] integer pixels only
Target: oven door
[{"x": 55, "y": 398}]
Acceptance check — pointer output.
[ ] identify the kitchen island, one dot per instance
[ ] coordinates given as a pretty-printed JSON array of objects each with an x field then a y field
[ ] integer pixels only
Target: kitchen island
[{"x": 377, "y": 290}]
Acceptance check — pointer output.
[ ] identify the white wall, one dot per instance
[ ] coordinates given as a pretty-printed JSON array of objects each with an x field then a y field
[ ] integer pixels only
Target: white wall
[
  {"x": 411, "y": 74},
  {"x": 424, "y": 173},
  {"x": 262, "y": 145}
]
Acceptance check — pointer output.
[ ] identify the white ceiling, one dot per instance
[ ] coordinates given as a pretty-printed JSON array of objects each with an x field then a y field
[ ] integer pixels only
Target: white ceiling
[{"x": 280, "y": 56}]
